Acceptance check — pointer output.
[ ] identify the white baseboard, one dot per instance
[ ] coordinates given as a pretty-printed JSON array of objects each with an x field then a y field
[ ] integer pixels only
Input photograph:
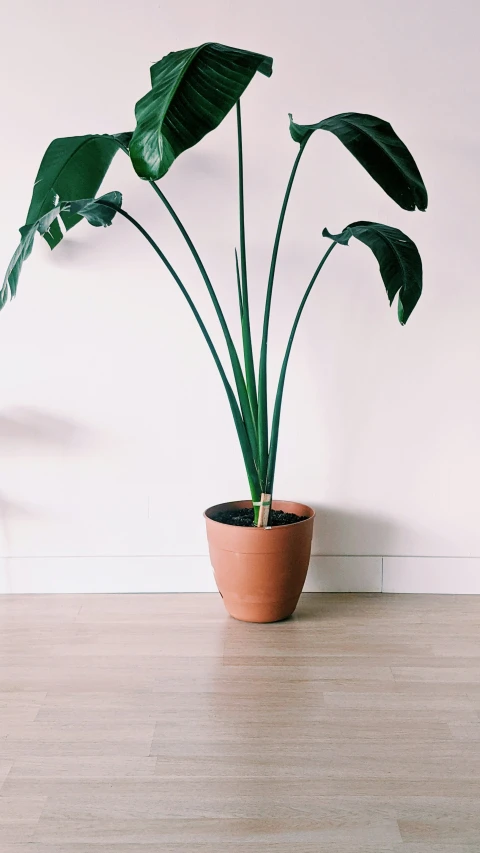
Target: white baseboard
[
  {"x": 344, "y": 574},
  {"x": 441, "y": 575},
  {"x": 108, "y": 574},
  {"x": 455, "y": 575}
]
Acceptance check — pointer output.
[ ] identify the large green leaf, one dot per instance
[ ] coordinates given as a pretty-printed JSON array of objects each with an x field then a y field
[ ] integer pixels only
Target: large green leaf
[
  {"x": 192, "y": 92},
  {"x": 72, "y": 167},
  {"x": 97, "y": 211},
  {"x": 93, "y": 210},
  {"x": 375, "y": 145},
  {"x": 398, "y": 258}
]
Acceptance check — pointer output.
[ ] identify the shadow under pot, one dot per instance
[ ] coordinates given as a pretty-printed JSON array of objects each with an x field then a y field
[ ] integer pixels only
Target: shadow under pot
[{"x": 260, "y": 572}]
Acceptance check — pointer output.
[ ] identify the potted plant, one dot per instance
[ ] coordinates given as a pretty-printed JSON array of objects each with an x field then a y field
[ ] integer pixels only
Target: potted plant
[{"x": 259, "y": 549}]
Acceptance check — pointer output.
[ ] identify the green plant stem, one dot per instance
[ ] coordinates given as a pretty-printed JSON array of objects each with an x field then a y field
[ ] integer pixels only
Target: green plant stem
[
  {"x": 272, "y": 455},
  {"x": 250, "y": 466},
  {"x": 246, "y": 330},
  {"x": 250, "y": 423},
  {"x": 262, "y": 374},
  {"x": 239, "y": 286}
]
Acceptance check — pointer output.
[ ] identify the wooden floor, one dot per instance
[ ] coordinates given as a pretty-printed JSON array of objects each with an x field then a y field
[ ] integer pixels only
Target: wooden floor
[{"x": 155, "y": 723}]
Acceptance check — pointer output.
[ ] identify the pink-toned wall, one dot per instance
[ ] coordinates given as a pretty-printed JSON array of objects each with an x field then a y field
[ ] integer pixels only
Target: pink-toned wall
[{"x": 114, "y": 431}]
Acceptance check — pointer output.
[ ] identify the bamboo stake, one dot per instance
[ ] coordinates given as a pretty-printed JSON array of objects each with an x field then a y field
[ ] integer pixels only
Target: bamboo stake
[{"x": 264, "y": 512}]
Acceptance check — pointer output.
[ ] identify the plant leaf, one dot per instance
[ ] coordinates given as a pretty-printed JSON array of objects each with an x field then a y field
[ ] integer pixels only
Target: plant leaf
[
  {"x": 192, "y": 92},
  {"x": 341, "y": 238},
  {"x": 398, "y": 258},
  {"x": 95, "y": 211},
  {"x": 90, "y": 209},
  {"x": 72, "y": 167},
  {"x": 23, "y": 250},
  {"x": 375, "y": 145}
]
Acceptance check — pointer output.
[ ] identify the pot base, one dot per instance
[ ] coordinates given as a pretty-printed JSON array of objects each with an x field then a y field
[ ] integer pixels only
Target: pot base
[
  {"x": 260, "y": 572},
  {"x": 275, "y": 611}
]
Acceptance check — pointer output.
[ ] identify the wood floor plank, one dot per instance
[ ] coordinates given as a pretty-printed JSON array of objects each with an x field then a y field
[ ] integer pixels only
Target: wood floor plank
[
  {"x": 138, "y": 723},
  {"x": 13, "y": 717},
  {"x": 5, "y": 768},
  {"x": 103, "y": 828},
  {"x": 17, "y": 832},
  {"x": 20, "y": 807},
  {"x": 457, "y": 675},
  {"x": 454, "y": 827},
  {"x": 329, "y": 721},
  {"x": 78, "y": 767},
  {"x": 397, "y": 702},
  {"x": 274, "y": 847},
  {"x": 416, "y": 759},
  {"x": 469, "y": 732},
  {"x": 221, "y": 847},
  {"x": 19, "y": 816}
]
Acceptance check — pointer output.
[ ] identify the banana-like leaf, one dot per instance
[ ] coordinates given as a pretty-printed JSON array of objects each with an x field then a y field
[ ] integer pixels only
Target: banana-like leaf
[
  {"x": 23, "y": 250},
  {"x": 72, "y": 167},
  {"x": 98, "y": 211},
  {"x": 374, "y": 143},
  {"x": 398, "y": 258},
  {"x": 93, "y": 210},
  {"x": 192, "y": 92}
]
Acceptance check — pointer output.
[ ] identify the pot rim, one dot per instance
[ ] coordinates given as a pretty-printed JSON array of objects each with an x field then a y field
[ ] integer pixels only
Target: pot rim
[{"x": 252, "y": 530}]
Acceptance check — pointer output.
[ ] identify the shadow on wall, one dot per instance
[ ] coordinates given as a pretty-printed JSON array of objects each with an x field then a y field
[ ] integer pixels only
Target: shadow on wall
[
  {"x": 22, "y": 425},
  {"x": 22, "y": 429},
  {"x": 15, "y": 509},
  {"x": 340, "y": 532}
]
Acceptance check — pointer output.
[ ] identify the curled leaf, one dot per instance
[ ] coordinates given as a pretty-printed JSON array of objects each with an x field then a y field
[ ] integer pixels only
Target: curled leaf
[
  {"x": 192, "y": 92},
  {"x": 376, "y": 146},
  {"x": 72, "y": 167},
  {"x": 95, "y": 211},
  {"x": 398, "y": 258}
]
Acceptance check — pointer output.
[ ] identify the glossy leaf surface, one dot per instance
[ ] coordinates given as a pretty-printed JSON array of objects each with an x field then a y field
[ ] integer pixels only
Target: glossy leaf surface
[
  {"x": 398, "y": 258},
  {"x": 93, "y": 210},
  {"x": 72, "y": 167},
  {"x": 192, "y": 92},
  {"x": 375, "y": 145}
]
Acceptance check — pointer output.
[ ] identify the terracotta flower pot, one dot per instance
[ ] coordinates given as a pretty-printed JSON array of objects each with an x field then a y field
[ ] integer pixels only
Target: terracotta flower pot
[{"x": 260, "y": 573}]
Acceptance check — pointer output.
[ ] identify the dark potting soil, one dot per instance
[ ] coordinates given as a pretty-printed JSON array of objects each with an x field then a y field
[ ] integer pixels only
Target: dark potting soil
[{"x": 244, "y": 517}]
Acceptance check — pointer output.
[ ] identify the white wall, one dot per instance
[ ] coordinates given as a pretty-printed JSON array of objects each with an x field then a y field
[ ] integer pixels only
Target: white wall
[{"x": 114, "y": 430}]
